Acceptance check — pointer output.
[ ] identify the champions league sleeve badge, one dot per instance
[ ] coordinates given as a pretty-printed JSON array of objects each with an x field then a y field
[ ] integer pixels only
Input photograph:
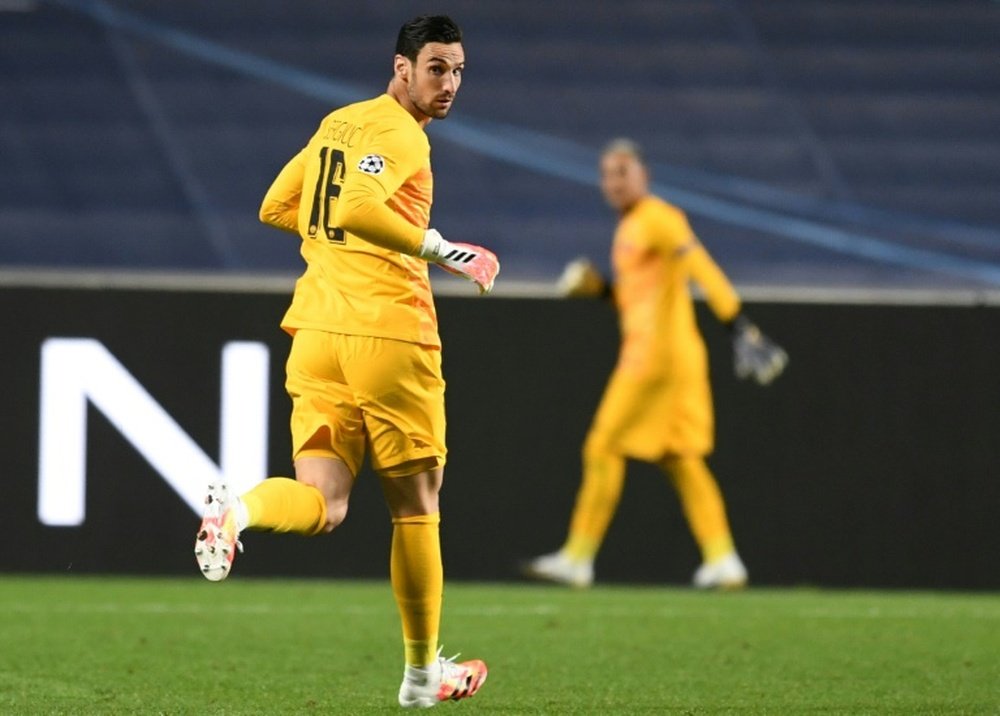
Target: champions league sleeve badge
[{"x": 371, "y": 164}]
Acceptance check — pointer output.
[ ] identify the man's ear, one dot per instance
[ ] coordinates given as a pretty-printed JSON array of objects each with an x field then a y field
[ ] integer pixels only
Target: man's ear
[{"x": 401, "y": 66}]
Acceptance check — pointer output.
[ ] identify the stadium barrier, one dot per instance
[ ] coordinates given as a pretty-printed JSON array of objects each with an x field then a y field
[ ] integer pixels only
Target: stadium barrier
[{"x": 872, "y": 462}]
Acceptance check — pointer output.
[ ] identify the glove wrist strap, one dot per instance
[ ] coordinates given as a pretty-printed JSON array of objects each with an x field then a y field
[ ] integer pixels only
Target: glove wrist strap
[
  {"x": 739, "y": 324},
  {"x": 433, "y": 246}
]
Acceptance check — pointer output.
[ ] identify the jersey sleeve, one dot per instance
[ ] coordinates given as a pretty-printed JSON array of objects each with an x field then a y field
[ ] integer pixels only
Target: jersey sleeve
[
  {"x": 676, "y": 237},
  {"x": 719, "y": 292},
  {"x": 379, "y": 167},
  {"x": 668, "y": 230},
  {"x": 280, "y": 207}
]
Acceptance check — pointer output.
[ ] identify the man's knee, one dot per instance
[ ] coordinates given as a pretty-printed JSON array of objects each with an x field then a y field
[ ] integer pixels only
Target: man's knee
[
  {"x": 413, "y": 494},
  {"x": 336, "y": 513},
  {"x": 333, "y": 481},
  {"x": 681, "y": 468}
]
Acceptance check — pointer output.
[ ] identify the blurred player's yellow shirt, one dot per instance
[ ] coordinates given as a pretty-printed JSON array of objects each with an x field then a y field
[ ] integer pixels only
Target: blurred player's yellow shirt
[
  {"x": 367, "y": 151},
  {"x": 655, "y": 255}
]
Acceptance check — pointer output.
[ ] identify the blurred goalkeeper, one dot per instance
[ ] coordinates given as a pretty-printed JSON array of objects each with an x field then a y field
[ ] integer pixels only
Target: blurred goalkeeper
[
  {"x": 657, "y": 406},
  {"x": 364, "y": 371}
]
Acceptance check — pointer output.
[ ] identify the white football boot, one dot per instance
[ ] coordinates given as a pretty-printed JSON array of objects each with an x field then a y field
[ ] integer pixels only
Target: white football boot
[
  {"x": 726, "y": 572},
  {"x": 218, "y": 537},
  {"x": 443, "y": 680},
  {"x": 559, "y": 568}
]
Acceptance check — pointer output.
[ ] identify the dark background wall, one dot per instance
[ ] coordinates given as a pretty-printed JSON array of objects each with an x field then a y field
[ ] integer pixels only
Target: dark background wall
[{"x": 872, "y": 462}]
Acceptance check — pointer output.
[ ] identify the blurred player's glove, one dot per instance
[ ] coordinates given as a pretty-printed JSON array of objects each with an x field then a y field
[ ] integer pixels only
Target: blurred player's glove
[
  {"x": 472, "y": 262},
  {"x": 581, "y": 279},
  {"x": 754, "y": 354}
]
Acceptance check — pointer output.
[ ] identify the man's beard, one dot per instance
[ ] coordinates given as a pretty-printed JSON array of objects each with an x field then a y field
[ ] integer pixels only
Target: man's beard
[{"x": 429, "y": 110}]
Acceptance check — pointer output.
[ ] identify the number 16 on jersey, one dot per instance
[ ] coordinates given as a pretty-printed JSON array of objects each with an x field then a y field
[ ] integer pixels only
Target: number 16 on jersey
[{"x": 328, "y": 183}]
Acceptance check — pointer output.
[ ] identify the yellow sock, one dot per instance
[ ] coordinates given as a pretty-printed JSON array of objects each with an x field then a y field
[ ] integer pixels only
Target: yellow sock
[
  {"x": 703, "y": 505},
  {"x": 596, "y": 502},
  {"x": 418, "y": 584},
  {"x": 280, "y": 504}
]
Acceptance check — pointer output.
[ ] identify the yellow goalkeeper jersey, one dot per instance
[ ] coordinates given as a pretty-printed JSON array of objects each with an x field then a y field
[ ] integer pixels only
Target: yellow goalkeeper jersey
[
  {"x": 364, "y": 158},
  {"x": 655, "y": 254}
]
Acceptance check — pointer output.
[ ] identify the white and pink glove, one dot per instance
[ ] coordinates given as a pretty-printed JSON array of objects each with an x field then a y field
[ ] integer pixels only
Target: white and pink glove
[{"x": 471, "y": 262}]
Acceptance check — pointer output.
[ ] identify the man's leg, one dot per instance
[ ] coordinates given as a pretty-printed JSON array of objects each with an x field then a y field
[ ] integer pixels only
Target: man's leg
[
  {"x": 314, "y": 503},
  {"x": 415, "y": 563},
  {"x": 705, "y": 509},
  {"x": 624, "y": 405},
  {"x": 702, "y": 503},
  {"x": 418, "y": 583},
  {"x": 596, "y": 501},
  {"x": 328, "y": 444}
]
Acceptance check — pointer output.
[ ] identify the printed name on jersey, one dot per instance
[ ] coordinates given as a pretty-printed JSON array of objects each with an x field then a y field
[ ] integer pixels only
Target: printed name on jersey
[{"x": 371, "y": 164}]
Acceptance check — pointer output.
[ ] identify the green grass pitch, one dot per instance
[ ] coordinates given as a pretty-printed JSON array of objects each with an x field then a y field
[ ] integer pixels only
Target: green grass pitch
[{"x": 81, "y": 645}]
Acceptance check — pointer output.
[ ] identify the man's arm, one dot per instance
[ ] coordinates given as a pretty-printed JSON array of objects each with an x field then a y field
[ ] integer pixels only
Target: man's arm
[
  {"x": 362, "y": 211},
  {"x": 754, "y": 354},
  {"x": 718, "y": 291},
  {"x": 280, "y": 207}
]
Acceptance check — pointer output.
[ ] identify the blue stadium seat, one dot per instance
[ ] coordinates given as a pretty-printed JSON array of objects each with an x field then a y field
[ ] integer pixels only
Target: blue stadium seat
[{"x": 879, "y": 120}]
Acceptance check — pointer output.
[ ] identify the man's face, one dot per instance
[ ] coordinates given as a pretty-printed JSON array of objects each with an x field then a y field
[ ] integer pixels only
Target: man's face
[
  {"x": 624, "y": 180},
  {"x": 433, "y": 80}
]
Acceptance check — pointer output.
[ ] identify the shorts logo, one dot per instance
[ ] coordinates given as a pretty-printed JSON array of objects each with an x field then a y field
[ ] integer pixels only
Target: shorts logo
[{"x": 372, "y": 164}]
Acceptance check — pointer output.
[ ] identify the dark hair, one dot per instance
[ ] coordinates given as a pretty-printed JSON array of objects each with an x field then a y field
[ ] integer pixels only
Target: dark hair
[{"x": 426, "y": 28}]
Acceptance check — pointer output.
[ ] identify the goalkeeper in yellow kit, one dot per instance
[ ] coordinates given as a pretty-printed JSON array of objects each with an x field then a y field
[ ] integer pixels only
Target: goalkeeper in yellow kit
[
  {"x": 364, "y": 371},
  {"x": 657, "y": 406}
]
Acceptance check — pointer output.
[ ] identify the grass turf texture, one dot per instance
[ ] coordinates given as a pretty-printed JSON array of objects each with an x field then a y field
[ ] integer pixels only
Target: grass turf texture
[{"x": 185, "y": 646}]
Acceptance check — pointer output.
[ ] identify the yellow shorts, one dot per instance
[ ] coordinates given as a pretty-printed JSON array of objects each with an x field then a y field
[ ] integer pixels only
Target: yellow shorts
[
  {"x": 649, "y": 417},
  {"x": 352, "y": 393}
]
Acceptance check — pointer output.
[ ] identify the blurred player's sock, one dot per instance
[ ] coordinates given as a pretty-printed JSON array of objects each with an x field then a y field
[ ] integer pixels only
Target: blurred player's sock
[
  {"x": 280, "y": 504},
  {"x": 441, "y": 680},
  {"x": 703, "y": 506},
  {"x": 596, "y": 502},
  {"x": 218, "y": 536},
  {"x": 561, "y": 568},
  {"x": 705, "y": 510},
  {"x": 418, "y": 583},
  {"x": 727, "y": 572}
]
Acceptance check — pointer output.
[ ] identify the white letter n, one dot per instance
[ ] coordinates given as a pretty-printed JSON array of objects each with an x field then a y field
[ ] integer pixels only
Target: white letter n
[{"x": 75, "y": 370}]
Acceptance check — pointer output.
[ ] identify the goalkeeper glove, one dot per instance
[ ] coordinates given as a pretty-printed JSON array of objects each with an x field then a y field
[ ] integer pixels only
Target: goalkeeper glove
[
  {"x": 754, "y": 354},
  {"x": 471, "y": 262},
  {"x": 581, "y": 279}
]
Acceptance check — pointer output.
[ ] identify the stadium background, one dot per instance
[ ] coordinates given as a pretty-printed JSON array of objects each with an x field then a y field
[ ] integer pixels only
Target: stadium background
[{"x": 841, "y": 161}]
